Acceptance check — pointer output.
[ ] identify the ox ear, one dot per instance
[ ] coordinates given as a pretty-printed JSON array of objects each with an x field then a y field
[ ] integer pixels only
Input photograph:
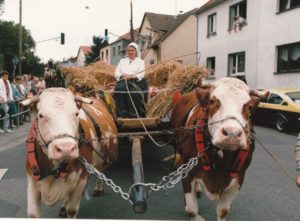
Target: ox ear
[{"x": 203, "y": 94}]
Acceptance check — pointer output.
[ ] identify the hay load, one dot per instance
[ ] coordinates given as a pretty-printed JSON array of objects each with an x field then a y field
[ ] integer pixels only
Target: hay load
[
  {"x": 172, "y": 77},
  {"x": 92, "y": 77}
]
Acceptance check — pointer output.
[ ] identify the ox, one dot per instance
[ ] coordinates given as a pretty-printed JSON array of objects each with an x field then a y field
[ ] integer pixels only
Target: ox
[
  {"x": 221, "y": 134},
  {"x": 65, "y": 128}
]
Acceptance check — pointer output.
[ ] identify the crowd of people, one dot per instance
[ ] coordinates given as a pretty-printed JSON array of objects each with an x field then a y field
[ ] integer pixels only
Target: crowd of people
[{"x": 12, "y": 91}]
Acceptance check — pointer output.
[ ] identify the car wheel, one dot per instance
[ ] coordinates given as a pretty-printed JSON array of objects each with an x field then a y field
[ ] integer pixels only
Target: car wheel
[{"x": 281, "y": 123}]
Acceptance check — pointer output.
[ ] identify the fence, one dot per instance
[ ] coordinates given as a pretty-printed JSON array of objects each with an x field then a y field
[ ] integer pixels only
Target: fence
[{"x": 22, "y": 113}]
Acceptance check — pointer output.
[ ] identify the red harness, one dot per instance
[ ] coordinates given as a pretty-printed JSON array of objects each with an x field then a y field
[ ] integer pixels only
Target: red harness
[
  {"x": 61, "y": 171},
  {"x": 200, "y": 143}
]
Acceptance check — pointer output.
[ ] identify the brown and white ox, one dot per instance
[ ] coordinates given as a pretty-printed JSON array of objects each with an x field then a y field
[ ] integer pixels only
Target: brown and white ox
[
  {"x": 220, "y": 113},
  {"x": 65, "y": 129}
]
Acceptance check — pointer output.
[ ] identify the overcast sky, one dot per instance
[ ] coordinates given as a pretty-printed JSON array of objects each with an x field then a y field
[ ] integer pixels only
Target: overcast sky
[{"x": 81, "y": 19}]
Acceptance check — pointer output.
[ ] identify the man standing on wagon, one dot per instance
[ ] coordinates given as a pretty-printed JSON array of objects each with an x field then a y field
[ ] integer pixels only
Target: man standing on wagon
[{"x": 130, "y": 78}]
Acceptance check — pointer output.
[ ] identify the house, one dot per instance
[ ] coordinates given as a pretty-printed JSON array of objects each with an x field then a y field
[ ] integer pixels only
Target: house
[
  {"x": 118, "y": 48},
  {"x": 152, "y": 28},
  {"x": 257, "y": 40},
  {"x": 82, "y": 54},
  {"x": 180, "y": 40}
]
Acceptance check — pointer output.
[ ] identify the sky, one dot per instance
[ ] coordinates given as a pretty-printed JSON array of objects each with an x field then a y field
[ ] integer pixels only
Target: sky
[{"x": 80, "y": 20}]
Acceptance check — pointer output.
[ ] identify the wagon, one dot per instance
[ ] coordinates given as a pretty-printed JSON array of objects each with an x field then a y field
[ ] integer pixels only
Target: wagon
[{"x": 137, "y": 129}]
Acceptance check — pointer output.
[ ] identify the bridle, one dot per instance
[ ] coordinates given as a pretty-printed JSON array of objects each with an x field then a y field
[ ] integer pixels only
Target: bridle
[{"x": 41, "y": 139}]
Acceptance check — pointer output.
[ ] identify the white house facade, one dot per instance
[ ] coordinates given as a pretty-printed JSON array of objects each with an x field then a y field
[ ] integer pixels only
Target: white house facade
[{"x": 259, "y": 40}]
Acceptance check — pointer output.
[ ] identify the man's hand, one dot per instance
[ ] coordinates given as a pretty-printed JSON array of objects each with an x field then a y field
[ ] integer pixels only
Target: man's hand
[{"x": 298, "y": 181}]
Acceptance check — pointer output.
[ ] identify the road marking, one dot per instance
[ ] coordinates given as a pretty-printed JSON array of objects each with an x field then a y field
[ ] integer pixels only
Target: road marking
[{"x": 2, "y": 172}]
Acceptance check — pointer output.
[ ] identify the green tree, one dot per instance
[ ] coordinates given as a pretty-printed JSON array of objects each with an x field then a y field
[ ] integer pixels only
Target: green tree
[
  {"x": 99, "y": 43},
  {"x": 9, "y": 46}
]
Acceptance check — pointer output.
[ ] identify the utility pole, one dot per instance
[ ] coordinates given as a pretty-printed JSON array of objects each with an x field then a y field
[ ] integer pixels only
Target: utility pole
[
  {"x": 20, "y": 37},
  {"x": 131, "y": 23}
]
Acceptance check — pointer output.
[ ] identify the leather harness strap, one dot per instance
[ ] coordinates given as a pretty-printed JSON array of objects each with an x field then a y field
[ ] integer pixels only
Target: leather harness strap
[
  {"x": 201, "y": 142},
  {"x": 32, "y": 156}
]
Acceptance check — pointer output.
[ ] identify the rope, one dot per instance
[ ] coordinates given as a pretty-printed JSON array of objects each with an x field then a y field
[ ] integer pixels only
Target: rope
[
  {"x": 137, "y": 114},
  {"x": 276, "y": 160}
]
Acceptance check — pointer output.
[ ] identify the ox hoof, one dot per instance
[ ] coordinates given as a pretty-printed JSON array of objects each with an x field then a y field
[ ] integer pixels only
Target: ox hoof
[
  {"x": 98, "y": 193},
  {"x": 140, "y": 206},
  {"x": 63, "y": 213}
]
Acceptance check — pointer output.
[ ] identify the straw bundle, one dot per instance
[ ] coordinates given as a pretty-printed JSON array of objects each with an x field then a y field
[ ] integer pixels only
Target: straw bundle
[
  {"x": 158, "y": 75},
  {"x": 182, "y": 78},
  {"x": 91, "y": 77}
]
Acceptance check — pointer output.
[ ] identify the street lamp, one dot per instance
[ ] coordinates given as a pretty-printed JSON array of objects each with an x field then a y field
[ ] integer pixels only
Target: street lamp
[{"x": 20, "y": 37}]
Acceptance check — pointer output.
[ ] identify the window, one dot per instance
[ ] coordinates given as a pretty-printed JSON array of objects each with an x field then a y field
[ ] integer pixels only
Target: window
[
  {"x": 238, "y": 15},
  {"x": 102, "y": 55},
  {"x": 288, "y": 59},
  {"x": 288, "y": 4},
  {"x": 210, "y": 65},
  {"x": 180, "y": 61},
  {"x": 114, "y": 51},
  {"x": 211, "y": 25},
  {"x": 274, "y": 99},
  {"x": 152, "y": 61},
  {"x": 236, "y": 64},
  {"x": 119, "y": 49}
]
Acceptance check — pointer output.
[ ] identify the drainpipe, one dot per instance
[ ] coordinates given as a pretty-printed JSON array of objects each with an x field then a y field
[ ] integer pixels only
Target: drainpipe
[{"x": 197, "y": 44}]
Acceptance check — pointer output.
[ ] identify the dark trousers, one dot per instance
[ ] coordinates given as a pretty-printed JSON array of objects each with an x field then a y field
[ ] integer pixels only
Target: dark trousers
[{"x": 124, "y": 106}]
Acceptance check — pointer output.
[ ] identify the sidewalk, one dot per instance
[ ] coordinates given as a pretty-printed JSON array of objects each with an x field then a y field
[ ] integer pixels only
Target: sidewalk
[{"x": 8, "y": 140}]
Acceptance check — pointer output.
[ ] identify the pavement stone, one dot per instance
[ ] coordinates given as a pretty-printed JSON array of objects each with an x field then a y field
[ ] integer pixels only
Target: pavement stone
[{"x": 8, "y": 140}]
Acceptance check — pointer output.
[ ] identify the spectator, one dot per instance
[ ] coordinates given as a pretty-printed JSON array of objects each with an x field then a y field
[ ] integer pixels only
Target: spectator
[
  {"x": 6, "y": 95},
  {"x": 15, "y": 107}
]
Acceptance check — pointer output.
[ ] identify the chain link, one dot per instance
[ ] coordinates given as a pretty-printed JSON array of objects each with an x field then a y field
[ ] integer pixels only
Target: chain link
[
  {"x": 92, "y": 170},
  {"x": 167, "y": 182}
]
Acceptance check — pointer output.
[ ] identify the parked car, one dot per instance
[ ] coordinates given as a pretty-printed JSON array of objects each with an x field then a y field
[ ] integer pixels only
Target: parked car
[{"x": 281, "y": 108}]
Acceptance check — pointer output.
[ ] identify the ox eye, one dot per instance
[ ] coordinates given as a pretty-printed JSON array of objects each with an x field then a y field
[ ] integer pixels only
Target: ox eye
[
  {"x": 40, "y": 116},
  {"x": 77, "y": 114},
  {"x": 211, "y": 102}
]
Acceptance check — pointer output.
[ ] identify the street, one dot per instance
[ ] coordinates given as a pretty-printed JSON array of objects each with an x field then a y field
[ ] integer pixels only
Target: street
[{"x": 267, "y": 193}]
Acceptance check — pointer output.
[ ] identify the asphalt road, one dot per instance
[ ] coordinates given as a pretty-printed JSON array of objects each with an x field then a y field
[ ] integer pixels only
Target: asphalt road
[{"x": 267, "y": 193}]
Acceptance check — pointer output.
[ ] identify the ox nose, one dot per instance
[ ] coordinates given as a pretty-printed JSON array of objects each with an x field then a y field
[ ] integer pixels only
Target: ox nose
[
  {"x": 231, "y": 132},
  {"x": 65, "y": 151}
]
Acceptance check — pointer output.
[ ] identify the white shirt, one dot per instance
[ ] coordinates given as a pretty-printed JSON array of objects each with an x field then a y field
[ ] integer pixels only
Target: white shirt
[
  {"x": 3, "y": 91},
  {"x": 134, "y": 67}
]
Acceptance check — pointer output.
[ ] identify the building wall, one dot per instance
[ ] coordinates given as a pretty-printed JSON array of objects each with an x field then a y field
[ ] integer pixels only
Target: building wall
[
  {"x": 275, "y": 29},
  {"x": 81, "y": 58},
  {"x": 114, "y": 59},
  {"x": 225, "y": 42},
  {"x": 106, "y": 53},
  {"x": 181, "y": 42},
  {"x": 265, "y": 30},
  {"x": 148, "y": 54}
]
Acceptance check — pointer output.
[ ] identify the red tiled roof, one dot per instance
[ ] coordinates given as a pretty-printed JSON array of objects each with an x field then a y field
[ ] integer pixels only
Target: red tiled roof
[{"x": 86, "y": 50}]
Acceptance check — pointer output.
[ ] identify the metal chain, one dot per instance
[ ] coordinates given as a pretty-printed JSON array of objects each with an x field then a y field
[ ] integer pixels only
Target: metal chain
[
  {"x": 167, "y": 182},
  {"x": 92, "y": 170},
  {"x": 174, "y": 177}
]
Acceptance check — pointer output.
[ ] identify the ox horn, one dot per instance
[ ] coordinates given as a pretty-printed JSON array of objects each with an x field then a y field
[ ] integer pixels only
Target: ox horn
[
  {"x": 30, "y": 100},
  {"x": 83, "y": 100},
  {"x": 259, "y": 94}
]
